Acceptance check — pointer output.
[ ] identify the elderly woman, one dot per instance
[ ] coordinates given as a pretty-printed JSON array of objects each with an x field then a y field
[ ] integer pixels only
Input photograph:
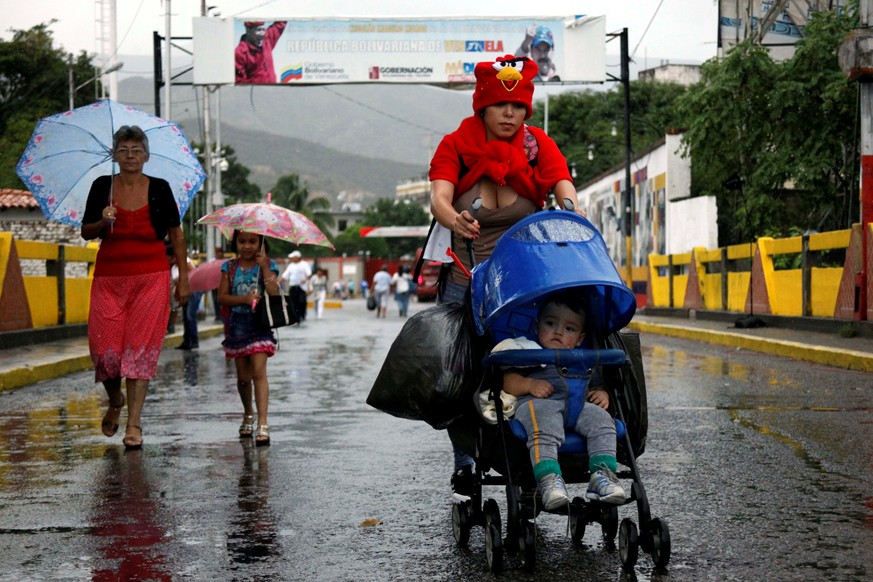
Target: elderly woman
[{"x": 130, "y": 294}]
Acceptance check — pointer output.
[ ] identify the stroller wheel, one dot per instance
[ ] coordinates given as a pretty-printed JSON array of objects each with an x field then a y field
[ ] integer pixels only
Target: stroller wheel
[
  {"x": 493, "y": 549},
  {"x": 609, "y": 522},
  {"x": 660, "y": 542},
  {"x": 461, "y": 524},
  {"x": 491, "y": 512},
  {"x": 628, "y": 544},
  {"x": 493, "y": 539},
  {"x": 529, "y": 545},
  {"x": 577, "y": 522}
]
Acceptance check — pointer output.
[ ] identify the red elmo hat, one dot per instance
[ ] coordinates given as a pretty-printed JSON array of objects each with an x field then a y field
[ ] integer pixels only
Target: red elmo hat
[
  {"x": 254, "y": 23},
  {"x": 508, "y": 79}
]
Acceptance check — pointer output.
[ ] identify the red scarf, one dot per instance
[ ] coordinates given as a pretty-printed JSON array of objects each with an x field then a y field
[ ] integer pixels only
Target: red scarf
[{"x": 505, "y": 162}]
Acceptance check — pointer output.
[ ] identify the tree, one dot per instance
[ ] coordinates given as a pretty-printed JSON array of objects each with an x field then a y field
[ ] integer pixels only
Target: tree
[
  {"x": 390, "y": 212},
  {"x": 234, "y": 185},
  {"x": 350, "y": 243},
  {"x": 290, "y": 193},
  {"x": 730, "y": 129},
  {"x": 34, "y": 83},
  {"x": 235, "y": 180},
  {"x": 823, "y": 162},
  {"x": 764, "y": 136},
  {"x": 584, "y": 121}
]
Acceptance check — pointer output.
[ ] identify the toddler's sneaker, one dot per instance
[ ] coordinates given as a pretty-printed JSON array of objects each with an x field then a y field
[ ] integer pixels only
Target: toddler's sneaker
[
  {"x": 553, "y": 491},
  {"x": 604, "y": 486}
]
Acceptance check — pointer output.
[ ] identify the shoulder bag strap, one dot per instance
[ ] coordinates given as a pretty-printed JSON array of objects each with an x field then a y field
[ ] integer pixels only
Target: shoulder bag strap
[
  {"x": 231, "y": 272},
  {"x": 262, "y": 289},
  {"x": 420, "y": 262}
]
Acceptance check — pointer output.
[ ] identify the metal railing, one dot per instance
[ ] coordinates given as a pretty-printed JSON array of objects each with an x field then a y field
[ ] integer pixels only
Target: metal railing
[{"x": 810, "y": 275}]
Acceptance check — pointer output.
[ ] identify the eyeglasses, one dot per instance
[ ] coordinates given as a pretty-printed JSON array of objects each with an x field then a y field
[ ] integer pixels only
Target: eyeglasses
[{"x": 123, "y": 152}]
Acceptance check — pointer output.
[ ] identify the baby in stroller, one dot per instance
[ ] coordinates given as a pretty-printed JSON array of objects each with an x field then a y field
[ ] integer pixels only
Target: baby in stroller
[
  {"x": 550, "y": 279},
  {"x": 542, "y": 406},
  {"x": 547, "y": 307}
]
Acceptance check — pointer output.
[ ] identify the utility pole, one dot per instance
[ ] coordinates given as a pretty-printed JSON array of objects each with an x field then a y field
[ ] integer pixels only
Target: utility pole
[
  {"x": 210, "y": 166},
  {"x": 158, "y": 70},
  {"x": 168, "y": 75},
  {"x": 220, "y": 162},
  {"x": 70, "y": 83},
  {"x": 210, "y": 171},
  {"x": 215, "y": 162},
  {"x": 113, "y": 63},
  {"x": 856, "y": 60}
]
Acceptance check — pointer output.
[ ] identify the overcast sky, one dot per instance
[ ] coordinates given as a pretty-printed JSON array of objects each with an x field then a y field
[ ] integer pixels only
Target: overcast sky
[{"x": 683, "y": 31}]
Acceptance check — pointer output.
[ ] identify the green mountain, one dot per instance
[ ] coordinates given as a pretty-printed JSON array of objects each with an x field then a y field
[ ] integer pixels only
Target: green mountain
[{"x": 346, "y": 137}]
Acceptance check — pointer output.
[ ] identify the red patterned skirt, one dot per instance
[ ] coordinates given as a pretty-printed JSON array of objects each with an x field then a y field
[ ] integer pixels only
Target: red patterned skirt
[{"x": 127, "y": 323}]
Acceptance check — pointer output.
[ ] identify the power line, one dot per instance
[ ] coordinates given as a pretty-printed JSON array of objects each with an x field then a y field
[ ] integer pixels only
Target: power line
[
  {"x": 132, "y": 22},
  {"x": 388, "y": 115},
  {"x": 126, "y": 32},
  {"x": 261, "y": 5},
  {"x": 651, "y": 20}
]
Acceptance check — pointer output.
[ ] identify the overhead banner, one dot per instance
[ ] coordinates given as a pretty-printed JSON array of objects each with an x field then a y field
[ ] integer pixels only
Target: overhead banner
[{"x": 413, "y": 50}]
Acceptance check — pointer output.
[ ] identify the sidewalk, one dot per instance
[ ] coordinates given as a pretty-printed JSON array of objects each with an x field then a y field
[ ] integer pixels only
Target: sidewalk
[
  {"x": 28, "y": 364},
  {"x": 27, "y": 358},
  {"x": 806, "y": 339}
]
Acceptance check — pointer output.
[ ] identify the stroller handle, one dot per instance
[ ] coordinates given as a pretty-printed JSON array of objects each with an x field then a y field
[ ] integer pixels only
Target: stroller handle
[{"x": 574, "y": 359}]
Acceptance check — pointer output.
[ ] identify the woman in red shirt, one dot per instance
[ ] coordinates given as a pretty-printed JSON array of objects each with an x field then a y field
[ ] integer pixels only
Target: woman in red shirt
[
  {"x": 485, "y": 176},
  {"x": 130, "y": 293}
]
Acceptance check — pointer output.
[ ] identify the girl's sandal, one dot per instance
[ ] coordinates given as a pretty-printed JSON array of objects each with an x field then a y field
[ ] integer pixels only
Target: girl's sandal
[
  {"x": 262, "y": 437},
  {"x": 110, "y": 426},
  {"x": 247, "y": 428},
  {"x": 133, "y": 443}
]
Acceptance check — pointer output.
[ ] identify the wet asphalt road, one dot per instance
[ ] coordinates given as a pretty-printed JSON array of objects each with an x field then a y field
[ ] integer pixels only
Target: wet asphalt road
[{"x": 762, "y": 467}]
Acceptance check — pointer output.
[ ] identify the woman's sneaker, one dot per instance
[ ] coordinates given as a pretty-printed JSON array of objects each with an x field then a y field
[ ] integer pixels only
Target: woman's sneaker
[
  {"x": 604, "y": 486},
  {"x": 553, "y": 491},
  {"x": 462, "y": 484}
]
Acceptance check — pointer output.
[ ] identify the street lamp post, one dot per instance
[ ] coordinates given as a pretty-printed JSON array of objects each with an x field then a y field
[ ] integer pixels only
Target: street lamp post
[
  {"x": 215, "y": 162},
  {"x": 628, "y": 187},
  {"x": 627, "y": 198}
]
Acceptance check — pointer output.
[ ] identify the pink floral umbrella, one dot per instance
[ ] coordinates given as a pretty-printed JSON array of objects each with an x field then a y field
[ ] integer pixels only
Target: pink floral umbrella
[
  {"x": 269, "y": 220},
  {"x": 206, "y": 276}
]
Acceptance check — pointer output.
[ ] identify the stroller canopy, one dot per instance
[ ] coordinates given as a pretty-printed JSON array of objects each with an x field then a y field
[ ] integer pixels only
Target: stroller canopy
[{"x": 546, "y": 252}]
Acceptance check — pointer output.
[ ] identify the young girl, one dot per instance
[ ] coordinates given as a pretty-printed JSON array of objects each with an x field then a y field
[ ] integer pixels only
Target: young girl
[{"x": 245, "y": 342}]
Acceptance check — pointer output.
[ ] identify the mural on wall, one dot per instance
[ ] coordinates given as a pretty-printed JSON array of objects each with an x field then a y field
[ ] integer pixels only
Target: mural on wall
[{"x": 648, "y": 234}]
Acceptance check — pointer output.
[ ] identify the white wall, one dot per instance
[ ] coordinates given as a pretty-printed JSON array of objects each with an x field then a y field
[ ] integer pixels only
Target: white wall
[
  {"x": 662, "y": 224},
  {"x": 692, "y": 223}
]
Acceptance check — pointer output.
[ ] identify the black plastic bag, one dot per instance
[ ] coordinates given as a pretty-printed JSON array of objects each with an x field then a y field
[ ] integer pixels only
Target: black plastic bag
[
  {"x": 432, "y": 368},
  {"x": 629, "y": 383},
  {"x": 371, "y": 303}
]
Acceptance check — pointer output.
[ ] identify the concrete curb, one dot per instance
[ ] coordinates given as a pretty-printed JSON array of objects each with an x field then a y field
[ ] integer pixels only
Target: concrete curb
[
  {"x": 26, "y": 375},
  {"x": 846, "y": 359}
]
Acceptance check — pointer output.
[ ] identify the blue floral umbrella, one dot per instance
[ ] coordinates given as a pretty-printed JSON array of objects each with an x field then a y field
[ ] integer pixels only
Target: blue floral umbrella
[{"x": 69, "y": 150}]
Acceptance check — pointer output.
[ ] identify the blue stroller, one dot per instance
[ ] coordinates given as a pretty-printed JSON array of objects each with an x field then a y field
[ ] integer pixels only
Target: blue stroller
[{"x": 547, "y": 252}]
